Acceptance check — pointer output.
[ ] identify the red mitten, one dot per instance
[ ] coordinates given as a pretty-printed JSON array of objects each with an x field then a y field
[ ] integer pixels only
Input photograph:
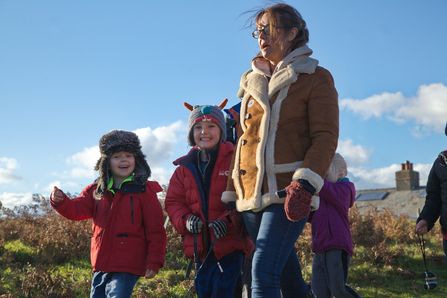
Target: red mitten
[
  {"x": 297, "y": 205},
  {"x": 237, "y": 221}
]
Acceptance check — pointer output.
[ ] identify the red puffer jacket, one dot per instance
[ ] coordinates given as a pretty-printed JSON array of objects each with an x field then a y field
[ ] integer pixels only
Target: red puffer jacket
[
  {"x": 128, "y": 230},
  {"x": 186, "y": 197}
]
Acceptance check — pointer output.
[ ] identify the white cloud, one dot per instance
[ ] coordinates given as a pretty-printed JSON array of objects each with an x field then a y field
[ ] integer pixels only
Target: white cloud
[
  {"x": 354, "y": 155},
  {"x": 50, "y": 186},
  {"x": 7, "y": 168},
  {"x": 10, "y": 200},
  {"x": 366, "y": 178},
  {"x": 162, "y": 175},
  {"x": 60, "y": 185},
  {"x": 375, "y": 105},
  {"x": 71, "y": 184},
  {"x": 358, "y": 157},
  {"x": 424, "y": 170},
  {"x": 84, "y": 163},
  {"x": 426, "y": 109},
  {"x": 158, "y": 144}
]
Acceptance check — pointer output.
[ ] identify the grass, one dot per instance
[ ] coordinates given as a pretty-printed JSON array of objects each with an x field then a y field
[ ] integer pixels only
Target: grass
[{"x": 44, "y": 255}]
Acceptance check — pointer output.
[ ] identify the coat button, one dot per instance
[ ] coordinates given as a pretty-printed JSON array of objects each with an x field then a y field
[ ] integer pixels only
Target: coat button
[
  {"x": 243, "y": 142},
  {"x": 259, "y": 140},
  {"x": 242, "y": 172},
  {"x": 247, "y": 116},
  {"x": 121, "y": 242}
]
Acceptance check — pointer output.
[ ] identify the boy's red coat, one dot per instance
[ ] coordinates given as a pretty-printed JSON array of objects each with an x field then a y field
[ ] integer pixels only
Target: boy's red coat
[
  {"x": 128, "y": 230},
  {"x": 183, "y": 199}
]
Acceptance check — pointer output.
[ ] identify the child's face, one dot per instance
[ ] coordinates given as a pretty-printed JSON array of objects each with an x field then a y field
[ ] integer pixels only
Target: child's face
[
  {"x": 206, "y": 134},
  {"x": 122, "y": 165}
]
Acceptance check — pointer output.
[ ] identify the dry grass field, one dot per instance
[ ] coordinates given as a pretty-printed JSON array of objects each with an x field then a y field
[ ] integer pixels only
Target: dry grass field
[{"x": 44, "y": 255}]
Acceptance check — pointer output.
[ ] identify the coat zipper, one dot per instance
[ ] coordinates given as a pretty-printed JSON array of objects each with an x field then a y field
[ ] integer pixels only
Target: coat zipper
[{"x": 131, "y": 208}]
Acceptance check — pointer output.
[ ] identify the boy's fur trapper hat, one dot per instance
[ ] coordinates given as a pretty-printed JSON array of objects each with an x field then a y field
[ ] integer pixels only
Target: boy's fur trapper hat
[
  {"x": 206, "y": 113},
  {"x": 119, "y": 141}
]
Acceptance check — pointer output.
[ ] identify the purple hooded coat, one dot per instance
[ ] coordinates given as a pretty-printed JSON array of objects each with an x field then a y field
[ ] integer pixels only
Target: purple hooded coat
[{"x": 330, "y": 223}]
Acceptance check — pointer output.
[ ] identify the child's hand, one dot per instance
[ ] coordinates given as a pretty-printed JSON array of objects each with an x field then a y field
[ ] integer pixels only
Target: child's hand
[
  {"x": 150, "y": 274},
  {"x": 194, "y": 224},
  {"x": 56, "y": 195},
  {"x": 220, "y": 228}
]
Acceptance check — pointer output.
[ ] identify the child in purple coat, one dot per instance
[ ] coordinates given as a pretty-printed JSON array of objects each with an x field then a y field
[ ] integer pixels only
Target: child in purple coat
[{"x": 331, "y": 234}]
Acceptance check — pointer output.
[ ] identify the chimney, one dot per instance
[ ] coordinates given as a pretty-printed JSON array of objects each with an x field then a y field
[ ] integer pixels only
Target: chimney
[{"x": 406, "y": 178}]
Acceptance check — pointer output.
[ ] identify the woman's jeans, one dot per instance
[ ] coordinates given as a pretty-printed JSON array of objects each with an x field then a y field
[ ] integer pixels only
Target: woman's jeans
[
  {"x": 113, "y": 284},
  {"x": 444, "y": 244},
  {"x": 275, "y": 265}
]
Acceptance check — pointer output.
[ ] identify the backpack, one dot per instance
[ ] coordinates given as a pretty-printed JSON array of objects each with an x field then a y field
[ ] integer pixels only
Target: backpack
[{"x": 232, "y": 117}]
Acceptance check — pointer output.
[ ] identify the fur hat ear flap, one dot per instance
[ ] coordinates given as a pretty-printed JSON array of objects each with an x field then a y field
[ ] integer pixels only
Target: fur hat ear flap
[
  {"x": 102, "y": 165},
  {"x": 142, "y": 170}
]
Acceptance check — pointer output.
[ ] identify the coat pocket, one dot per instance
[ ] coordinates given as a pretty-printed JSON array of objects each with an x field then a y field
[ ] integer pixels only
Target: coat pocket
[{"x": 130, "y": 253}]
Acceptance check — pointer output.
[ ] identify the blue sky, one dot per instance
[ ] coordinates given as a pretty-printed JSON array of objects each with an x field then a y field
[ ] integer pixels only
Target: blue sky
[{"x": 70, "y": 71}]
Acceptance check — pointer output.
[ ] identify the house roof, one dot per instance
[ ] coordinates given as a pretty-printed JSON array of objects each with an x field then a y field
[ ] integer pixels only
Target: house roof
[{"x": 399, "y": 202}]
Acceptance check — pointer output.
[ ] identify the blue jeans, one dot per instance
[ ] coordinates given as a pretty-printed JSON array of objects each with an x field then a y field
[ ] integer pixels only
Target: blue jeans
[
  {"x": 112, "y": 284},
  {"x": 444, "y": 245},
  {"x": 275, "y": 265},
  {"x": 218, "y": 278}
]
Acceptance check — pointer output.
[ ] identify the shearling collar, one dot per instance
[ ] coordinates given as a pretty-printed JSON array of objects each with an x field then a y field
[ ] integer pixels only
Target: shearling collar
[
  {"x": 262, "y": 65},
  {"x": 260, "y": 88}
]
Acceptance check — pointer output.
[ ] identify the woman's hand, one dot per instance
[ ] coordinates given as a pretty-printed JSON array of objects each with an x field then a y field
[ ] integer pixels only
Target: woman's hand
[
  {"x": 150, "y": 274},
  {"x": 298, "y": 200}
]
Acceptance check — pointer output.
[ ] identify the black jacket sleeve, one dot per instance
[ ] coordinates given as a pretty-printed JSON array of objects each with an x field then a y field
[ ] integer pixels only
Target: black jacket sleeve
[{"x": 436, "y": 199}]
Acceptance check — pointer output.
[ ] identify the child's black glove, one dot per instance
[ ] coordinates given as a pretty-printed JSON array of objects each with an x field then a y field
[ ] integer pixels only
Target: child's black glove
[
  {"x": 220, "y": 228},
  {"x": 194, "y": 224}
]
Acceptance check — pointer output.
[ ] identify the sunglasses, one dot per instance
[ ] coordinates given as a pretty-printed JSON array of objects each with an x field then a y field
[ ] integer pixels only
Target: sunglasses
[{"x": 266, "y": 31}]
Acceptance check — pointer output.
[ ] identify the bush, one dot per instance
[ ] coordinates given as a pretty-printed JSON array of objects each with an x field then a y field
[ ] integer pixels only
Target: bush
[{"x": 45, "y": 255}]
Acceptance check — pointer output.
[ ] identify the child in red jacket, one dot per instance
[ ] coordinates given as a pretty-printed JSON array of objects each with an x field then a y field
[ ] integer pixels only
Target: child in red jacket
[
  {"x": 193, "y": 203},
  {"x": 129, "y": 239}
]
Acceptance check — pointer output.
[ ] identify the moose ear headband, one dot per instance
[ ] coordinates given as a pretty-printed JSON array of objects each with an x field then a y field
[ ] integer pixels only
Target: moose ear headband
[
  {"x": 191, "y": 108},
  {"x": 205, "y": 113}
]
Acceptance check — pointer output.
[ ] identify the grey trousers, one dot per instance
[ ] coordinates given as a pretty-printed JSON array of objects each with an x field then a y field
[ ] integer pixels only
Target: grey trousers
[{"x": 330, "y": 274}]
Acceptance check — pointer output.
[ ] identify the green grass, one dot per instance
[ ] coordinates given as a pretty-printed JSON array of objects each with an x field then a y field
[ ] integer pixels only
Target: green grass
[
  {"x": 49, "y": 257},
  {"x": 22, "y": 252},
  {"x": 369, "y": 279},
  {"x": 404, "y": 279}
]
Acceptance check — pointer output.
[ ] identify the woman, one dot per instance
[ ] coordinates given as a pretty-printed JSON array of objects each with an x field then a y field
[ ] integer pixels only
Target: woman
[{"x": 288, "y": 137}]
